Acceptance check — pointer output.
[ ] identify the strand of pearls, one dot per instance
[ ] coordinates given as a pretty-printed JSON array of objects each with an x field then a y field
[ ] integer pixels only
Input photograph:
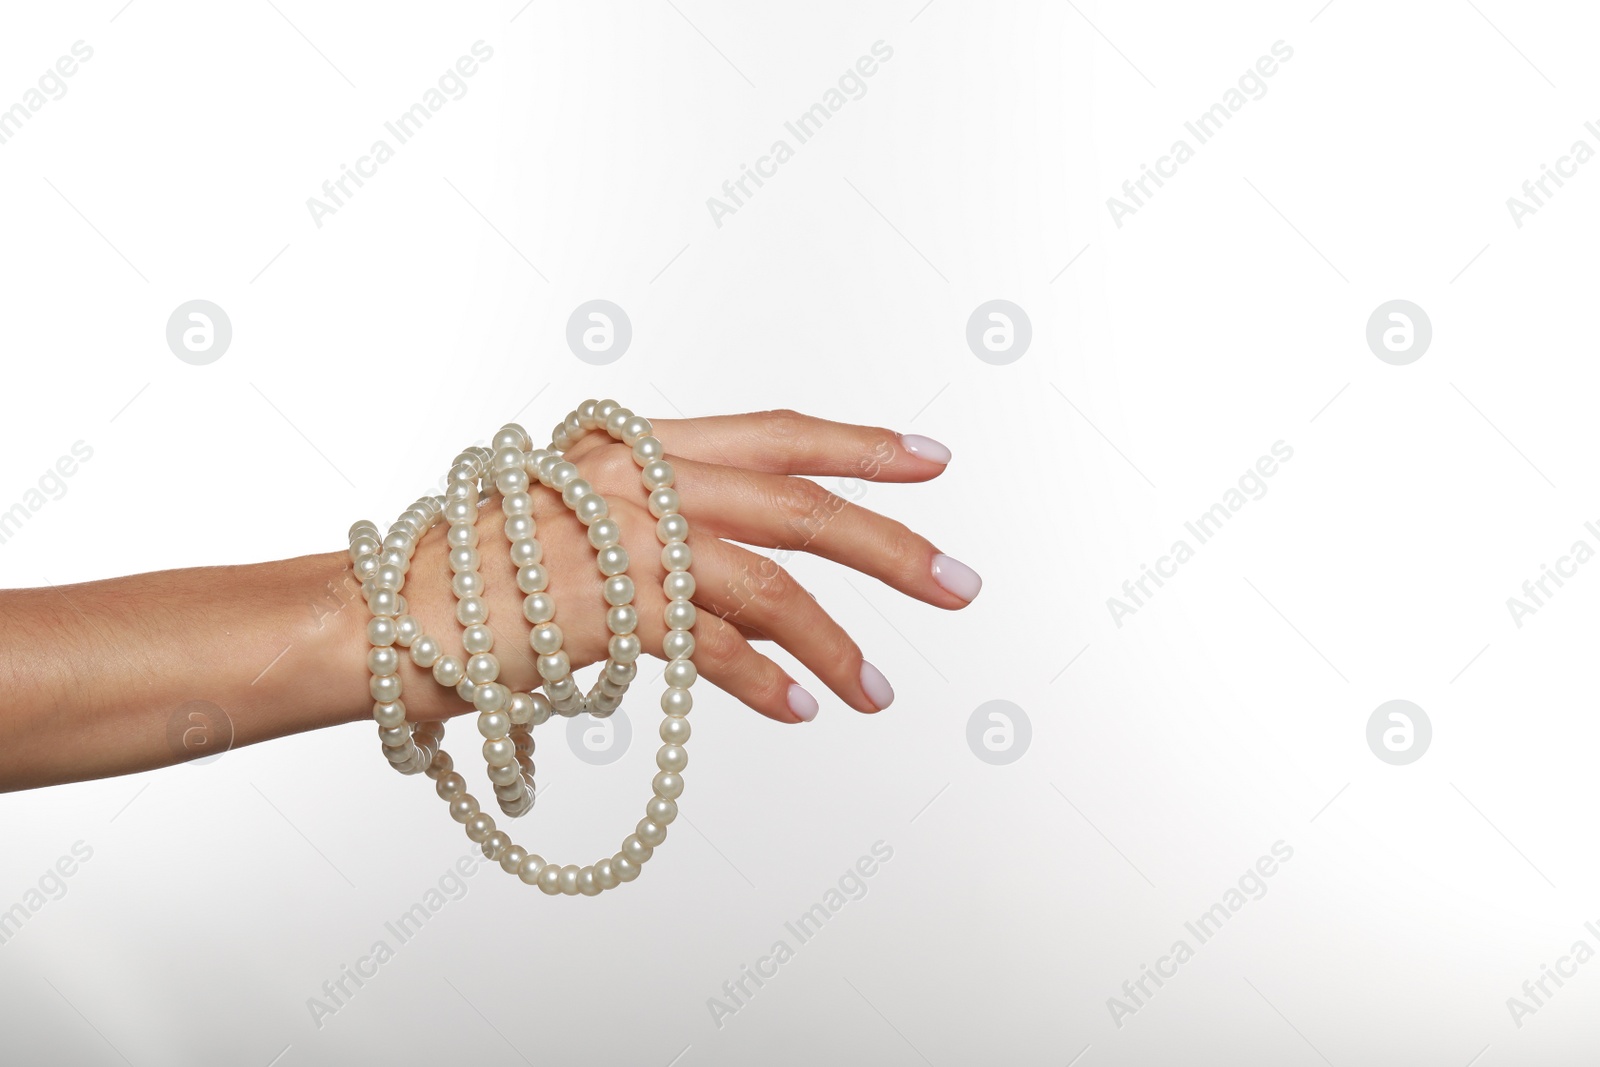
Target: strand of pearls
[{"x": 505, "y": 718}]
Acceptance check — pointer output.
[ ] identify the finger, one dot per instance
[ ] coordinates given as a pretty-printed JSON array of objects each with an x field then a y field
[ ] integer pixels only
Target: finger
[
  {"x": 725, "y": 659},
  {"x": 799, "y": 515},
  {"x": 737, "y": 583},
  {"x": 786, "y": 442}
]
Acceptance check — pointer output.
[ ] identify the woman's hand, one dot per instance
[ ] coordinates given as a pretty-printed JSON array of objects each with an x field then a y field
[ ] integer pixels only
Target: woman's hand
[{"x": 743, "y": 480}]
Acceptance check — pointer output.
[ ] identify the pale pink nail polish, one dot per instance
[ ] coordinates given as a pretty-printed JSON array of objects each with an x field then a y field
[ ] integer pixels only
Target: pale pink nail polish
[
  {"x": 876, "y": 686},
  {"x": 802, "y": 703},
  {"x": 956, "y": 577},
  {"x": 924, "y": 448}
]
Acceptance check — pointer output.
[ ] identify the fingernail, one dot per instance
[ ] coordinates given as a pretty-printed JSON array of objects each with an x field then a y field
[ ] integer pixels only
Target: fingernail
[
  {"x": 924, "y": 448},
  {"x": 876, "y": 686},
  {"x": 802, "y": 703},
  {"x": 956, "y": 577}
]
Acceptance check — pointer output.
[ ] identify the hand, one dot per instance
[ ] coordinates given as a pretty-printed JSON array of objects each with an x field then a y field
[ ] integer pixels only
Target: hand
[{"x": 741, "y": 478}]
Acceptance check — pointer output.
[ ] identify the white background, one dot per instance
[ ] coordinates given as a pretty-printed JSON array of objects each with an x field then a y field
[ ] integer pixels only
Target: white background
[{"x": 1167, "y": 754}]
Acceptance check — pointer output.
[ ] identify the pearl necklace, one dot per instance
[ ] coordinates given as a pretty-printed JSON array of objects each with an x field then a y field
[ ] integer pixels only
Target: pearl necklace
[{"x": 505, "y": 717}]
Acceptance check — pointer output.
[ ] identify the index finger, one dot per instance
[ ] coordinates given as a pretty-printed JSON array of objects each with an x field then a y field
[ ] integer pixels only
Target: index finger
[{"x": 787, "y": 442}]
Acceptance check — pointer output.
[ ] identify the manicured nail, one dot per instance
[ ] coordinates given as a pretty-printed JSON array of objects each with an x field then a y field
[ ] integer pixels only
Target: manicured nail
[
  {"x": 956, "y": 577},
  {"x": 802, "y": 703},
  {"x": 876, "y": 686},
  {"x": 924, "y": 448}
]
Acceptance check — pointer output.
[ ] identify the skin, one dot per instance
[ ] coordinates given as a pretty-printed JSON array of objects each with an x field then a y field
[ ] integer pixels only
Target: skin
[{"x": 96, "y": 675}]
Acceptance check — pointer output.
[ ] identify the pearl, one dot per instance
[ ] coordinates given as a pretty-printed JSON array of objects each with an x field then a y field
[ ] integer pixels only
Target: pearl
[
  {"x": 676, "y": 701},
  {"x": 664, "y": 502},
  {"x": 679, "y": 614},
  {"x": 550, "y": 879},
  {"x": 538, "y": 608},
  {"x": 546, "y": 639},
  {"x": 505, "y": 773},
  {"x": 626, "y": 870},
  {"x": 385, "y": 689},
  {"x": 526, "y": 553},
  {"x": 498, "y": 724},
  {"x": 592, "y": 509},
  {"x": 672, "y": 528},
  {"x": 483, "y": 668},
  {"x": 517, "y": 505},
  {"x": 511, "y": 481},
  {"x": 676, "y": 556},
  {"x": 619, "y": 590},
  {"x": 680, "y": 673},
  {"x": 678, "y": 644},
  {"x": 651, "y": 833},
  {"x": 425, "y": 651},
  {"x": 366, "y": 567},
  {"x": 384, "y": 602},
  {"x": 605, "y": 533},
  {"x": 406, "y": 631},
  {"x": 447, "y": 670},
  {"x": 554, "y": 666},
  {"x": 588, "y": 884},
  {"x": 471, "y": 610},
  {"x": 667, "y": 784},
  {"x": 674, "y": 731},
  {"x": 661, "y": 810},
  {"x": 562, "y": 474},
  {"x": 442, "y": 765},
  {"x": 635, "y": 428},
  {"x": 623, "y": 648},
  {"x": 635, "y": 849},
  {"x": 647, "y": 450},
  {"x": 612, "y": 561},
  {"x": 657, "y": 474},
  {"x": 532, "y": 579},
  {"x": 463, "y": 808},
  {"x": 622, "y": 619},
  {"x": 383, "y": 660},
  {"x": 569, "y": 880},
  {"x": 491, "y": 697},
  {"x": 467, "y": 583},
  {"x": 464, "y": 559},
  {"x": 519, "y": 527},
  {"x": 497, "y": 842},
  {"x": 672, "y": 758},
  {"x": 477, "y": 638},
  {"x": 382, "y": 631},
  {"x": 479, "y": 827},
  {"x": 392, "y": 713},
  {"x": 617, "y": 420},
  {"x": 604, "y": 876}
]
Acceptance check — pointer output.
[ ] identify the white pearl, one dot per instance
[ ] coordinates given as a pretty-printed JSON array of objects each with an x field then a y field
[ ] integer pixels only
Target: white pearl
[
  {"x": 517, "y": 505},
  {"x": 667, "y": 784},
  {"x": 592, "y": 509},
  {"x": 406, "y": 631},
  {"x": 366, "y": 567},
  {"x": 479, "y": 827},
  {"x": 383, "y": 660},
  {"x": 447, "y": 670},
  {"x": 618, "y": 590},
  {"x": 425, "y": 651},
  {"x": 656, "y": 474},
  {"x": 664, "y": 502},
  {"x": 625, "y": 869},
  {"x": 520, "y": 527},
  {"x": 471, "y": 610},
  {"x": 612, "y": 561},
  {"x": 604, "y": 876},
  {"x": 676, "y": 701},
  {"x": 467, "y": 583},
  {"x": 674, "y": 730},
  {"x": 506, "y": 459},
  {"x": 671, "y": 528},
  {"x": 532, "y": 579},
  {"x": 554, "y": 666},
  {"x": 464, "y": 559},
  {"x": 526, "y": 553},
  {"x": 450, "y": 786},
  {"x": 384, "y": 602},
  {"x": 511, "y": 859},
  {"x": 385, "y": 689},
  {"x": 442, "y": 765},
  {"x": 388, "y": 576},
  {"x": 538, "y": 608},
  {"x": 677, "y": 643},
  {"x": 647, "y": 450},
  {"x": 672, "y": 758},
  {"x": 635, "y": 849},
  {"x": 546, "y": 639},
  {"x": 603, "y": 409},
  {"x": 679, "y": 614},
  {"x": 393, "y": 736},
  {"x": 515, "y": 481},
  {"x": 460, "y": 511},
  {"x": 491, "y": 697},
  {"x": 467, "y": 690},
  {"x": 562, "y": 474},
  {"x": 605, "y": 533},
  {"x": 550, "y": 879},
  {"x": 463, "y": 808},
  {"x": 623, "y": 648},
  {"x": 392, "y": 713},
  {"x": 680, "y": 673},
  {"x": 588, "y": 884},
  {"x": 661, "y": 810},
  {"x": 381, "y": 631},
  {"x": 505, "y": 773},
  {"x": 622, "y": 619},
  {"x": 569, "y": 880},
  {"x": 477, "y": 638},
  {"x": 650, "y": 832},
  {"x": 635, "y": 428},
  {"x": 617, "y": 420},
  {"x": 676, "y": 556},
  {"x": 497, "y": 842},
  {"x": 500, "y": 751}
]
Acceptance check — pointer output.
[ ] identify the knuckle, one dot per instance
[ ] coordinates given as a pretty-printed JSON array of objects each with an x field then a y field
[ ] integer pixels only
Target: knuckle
[{"x": 797, "y": 497}]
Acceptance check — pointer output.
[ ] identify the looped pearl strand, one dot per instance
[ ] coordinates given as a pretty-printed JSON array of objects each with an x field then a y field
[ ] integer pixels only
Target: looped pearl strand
[{"x": 411, "y": 747}]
